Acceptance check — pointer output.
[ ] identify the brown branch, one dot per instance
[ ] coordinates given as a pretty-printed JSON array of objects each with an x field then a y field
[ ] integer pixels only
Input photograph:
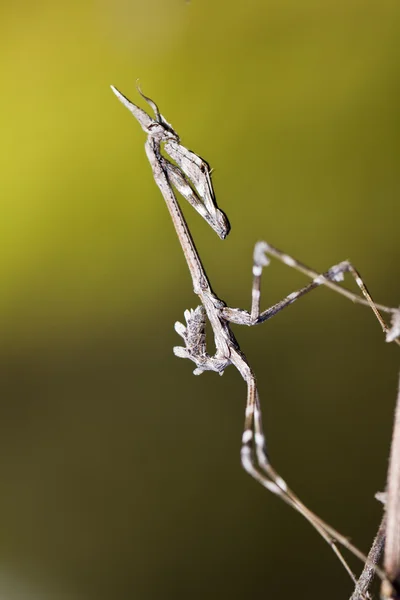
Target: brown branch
[
  {"x": 364, "y": 583},
  {"x": 388, "y": 537},
  {"x": 391, "y": 562}
]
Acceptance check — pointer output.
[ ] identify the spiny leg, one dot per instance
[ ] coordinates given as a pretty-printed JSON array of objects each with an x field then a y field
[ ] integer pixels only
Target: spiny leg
[
  {"x": 330, "y": 279},
  {"x": 255, "y": 461},
  {"x": 242, "y": 317}
]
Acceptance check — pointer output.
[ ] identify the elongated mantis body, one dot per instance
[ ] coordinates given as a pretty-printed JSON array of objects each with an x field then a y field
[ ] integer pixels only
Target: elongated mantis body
[{"x": 190, "y": 176}]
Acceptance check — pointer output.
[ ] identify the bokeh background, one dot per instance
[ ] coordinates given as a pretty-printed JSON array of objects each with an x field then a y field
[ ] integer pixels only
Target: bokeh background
[{"x": 119, "y": 471}]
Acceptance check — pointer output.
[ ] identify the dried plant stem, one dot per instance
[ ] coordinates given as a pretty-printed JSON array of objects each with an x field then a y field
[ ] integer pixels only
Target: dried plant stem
[
  {"x": 391, "y": 561},
  {"x": 367, "y": 576}
]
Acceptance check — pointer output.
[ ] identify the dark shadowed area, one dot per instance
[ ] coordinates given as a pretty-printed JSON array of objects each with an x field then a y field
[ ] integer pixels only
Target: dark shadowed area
[{"x": 120, "y": 475}]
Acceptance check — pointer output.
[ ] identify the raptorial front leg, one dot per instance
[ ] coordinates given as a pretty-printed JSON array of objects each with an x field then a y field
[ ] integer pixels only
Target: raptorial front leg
[{"x": 194, "y": 336}]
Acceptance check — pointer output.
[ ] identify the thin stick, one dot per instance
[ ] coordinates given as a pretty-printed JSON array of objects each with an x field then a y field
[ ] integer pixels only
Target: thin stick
[
  {"x": 391, "y": 562},
  {"x": 363, "y": 585}
]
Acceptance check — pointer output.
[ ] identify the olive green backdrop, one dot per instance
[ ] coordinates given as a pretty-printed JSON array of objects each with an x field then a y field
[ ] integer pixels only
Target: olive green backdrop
[{"x": 119, "y": 471}]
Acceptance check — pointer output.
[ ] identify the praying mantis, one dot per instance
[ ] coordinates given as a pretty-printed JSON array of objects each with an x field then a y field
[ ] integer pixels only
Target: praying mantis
[{"x": 190, "y": 176}]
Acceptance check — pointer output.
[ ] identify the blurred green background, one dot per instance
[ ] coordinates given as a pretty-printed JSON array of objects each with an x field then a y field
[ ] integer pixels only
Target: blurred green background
[{"x": 120, "y": 472}]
